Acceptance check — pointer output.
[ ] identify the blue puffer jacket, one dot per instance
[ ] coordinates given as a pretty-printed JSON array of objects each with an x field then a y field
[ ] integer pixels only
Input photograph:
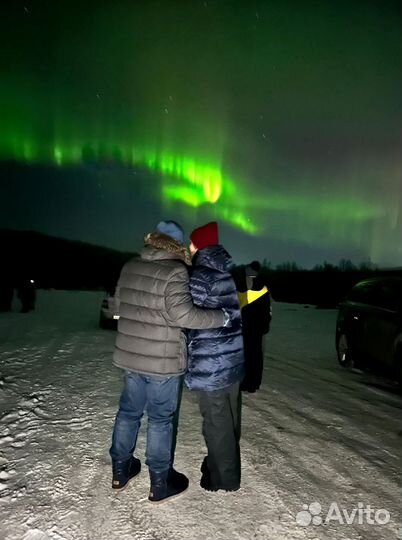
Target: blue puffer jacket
[{"x": 215, "y": 357}]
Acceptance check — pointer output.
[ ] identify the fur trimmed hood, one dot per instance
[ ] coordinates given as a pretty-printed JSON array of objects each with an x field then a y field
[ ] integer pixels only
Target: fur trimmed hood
[{"x": 161, "y": 246}]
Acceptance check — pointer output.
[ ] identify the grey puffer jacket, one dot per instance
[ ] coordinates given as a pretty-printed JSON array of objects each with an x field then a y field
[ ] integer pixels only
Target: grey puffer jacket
[{"x": 155, "y": 305}]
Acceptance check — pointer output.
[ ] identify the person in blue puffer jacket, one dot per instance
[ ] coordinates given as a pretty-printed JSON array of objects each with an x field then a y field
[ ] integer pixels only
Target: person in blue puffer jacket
[{"x": 216, "y": 360}]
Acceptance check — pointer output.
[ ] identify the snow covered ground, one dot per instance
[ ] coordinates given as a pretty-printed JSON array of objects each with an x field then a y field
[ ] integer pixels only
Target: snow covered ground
[{"x": 313, "y": 434}]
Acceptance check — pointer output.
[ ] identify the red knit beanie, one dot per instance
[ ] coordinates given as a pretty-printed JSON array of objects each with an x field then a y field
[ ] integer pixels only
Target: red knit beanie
[{"x": 205, "y": 236}]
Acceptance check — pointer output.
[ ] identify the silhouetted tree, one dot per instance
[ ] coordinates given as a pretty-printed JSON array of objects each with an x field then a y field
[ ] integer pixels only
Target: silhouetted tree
[
  {"x": 346, "y": 265},
  {"x": 287, "y": 267}
]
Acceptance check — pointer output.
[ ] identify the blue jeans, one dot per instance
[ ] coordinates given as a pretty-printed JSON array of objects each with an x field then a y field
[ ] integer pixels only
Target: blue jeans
[{"x": 159, "y": 397}]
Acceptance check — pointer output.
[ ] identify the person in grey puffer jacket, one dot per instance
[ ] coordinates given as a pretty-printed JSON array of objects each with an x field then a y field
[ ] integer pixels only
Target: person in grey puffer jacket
[{"x": 155, "y": 306}]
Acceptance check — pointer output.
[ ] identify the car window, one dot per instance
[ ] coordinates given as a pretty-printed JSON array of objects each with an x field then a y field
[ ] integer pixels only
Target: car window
[
  {"x": 391, "y": 295},
  {"x": 363, "y": 293},
  {"x": 383, "y": 294},
  {"x": 385, "y": 297}
]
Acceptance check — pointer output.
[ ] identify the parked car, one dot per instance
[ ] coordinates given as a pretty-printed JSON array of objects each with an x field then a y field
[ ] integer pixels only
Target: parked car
[
  {"x": 369, "y": 326},
  {"x": 109, "y": 315}
]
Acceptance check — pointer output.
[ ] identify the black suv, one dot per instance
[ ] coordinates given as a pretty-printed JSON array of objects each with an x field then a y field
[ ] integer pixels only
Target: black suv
[{"x": 369, "y": 326}]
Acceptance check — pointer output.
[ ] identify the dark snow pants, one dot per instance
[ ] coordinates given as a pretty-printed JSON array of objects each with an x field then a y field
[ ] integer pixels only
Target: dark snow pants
[
  {"x": 220, "y": 411},
  {"x": 254, "y": 361}
]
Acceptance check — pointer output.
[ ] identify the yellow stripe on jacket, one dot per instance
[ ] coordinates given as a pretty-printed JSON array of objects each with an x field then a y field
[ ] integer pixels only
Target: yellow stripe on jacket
[{"x": 250, "y": 296}]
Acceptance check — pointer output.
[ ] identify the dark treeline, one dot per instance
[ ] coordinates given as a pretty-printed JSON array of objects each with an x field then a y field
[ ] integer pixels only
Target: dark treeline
[
  {"x": 58, "y": 263},
  {"x": 64, "y": 264}
]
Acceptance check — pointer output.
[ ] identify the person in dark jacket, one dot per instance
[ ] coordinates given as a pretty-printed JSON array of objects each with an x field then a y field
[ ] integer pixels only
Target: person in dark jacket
[
  {"x": 215, "y": 361},
  {"x": 155, "y": 305},
  {"x": 255, "y": 303}
]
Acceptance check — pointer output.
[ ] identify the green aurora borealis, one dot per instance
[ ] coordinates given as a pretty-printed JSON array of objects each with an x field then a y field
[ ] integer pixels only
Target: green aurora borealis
[{"x": 279, "y": 119}]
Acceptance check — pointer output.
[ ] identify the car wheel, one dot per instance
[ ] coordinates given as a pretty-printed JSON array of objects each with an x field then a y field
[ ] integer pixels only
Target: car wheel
[{"x": 344, "y": 352}]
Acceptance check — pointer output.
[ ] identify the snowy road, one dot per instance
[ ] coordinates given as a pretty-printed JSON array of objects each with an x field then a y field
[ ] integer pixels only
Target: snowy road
[{"x": 313, "y": 434}]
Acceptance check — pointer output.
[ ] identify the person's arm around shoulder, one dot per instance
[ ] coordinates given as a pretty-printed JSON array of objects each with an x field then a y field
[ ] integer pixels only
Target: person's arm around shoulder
[{"x": 181, "y": 310}]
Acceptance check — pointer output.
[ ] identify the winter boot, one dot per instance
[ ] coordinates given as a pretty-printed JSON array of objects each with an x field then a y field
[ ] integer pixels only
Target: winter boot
[
  {"x": 167, "y": 485},
  {"x": 123, "y": 471},
  {"x": 206, "y": 482},
  {"x": 177, "y": 480}
]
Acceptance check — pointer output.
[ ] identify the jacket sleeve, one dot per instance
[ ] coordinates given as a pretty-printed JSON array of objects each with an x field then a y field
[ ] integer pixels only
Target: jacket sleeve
[{"x": 180, "y": 309}]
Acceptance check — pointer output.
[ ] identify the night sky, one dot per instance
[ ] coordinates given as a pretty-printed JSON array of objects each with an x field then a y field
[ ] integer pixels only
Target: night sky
[{"x": 281, "y": 119}]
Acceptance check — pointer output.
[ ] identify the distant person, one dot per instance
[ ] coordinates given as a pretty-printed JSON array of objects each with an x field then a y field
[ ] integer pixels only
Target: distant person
[
  {"x": 216, "y": 361},
  {"x": 255, "y": 303},
  {"x": 154, "y": 306},
  {"x": 27, "y": 295}
]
